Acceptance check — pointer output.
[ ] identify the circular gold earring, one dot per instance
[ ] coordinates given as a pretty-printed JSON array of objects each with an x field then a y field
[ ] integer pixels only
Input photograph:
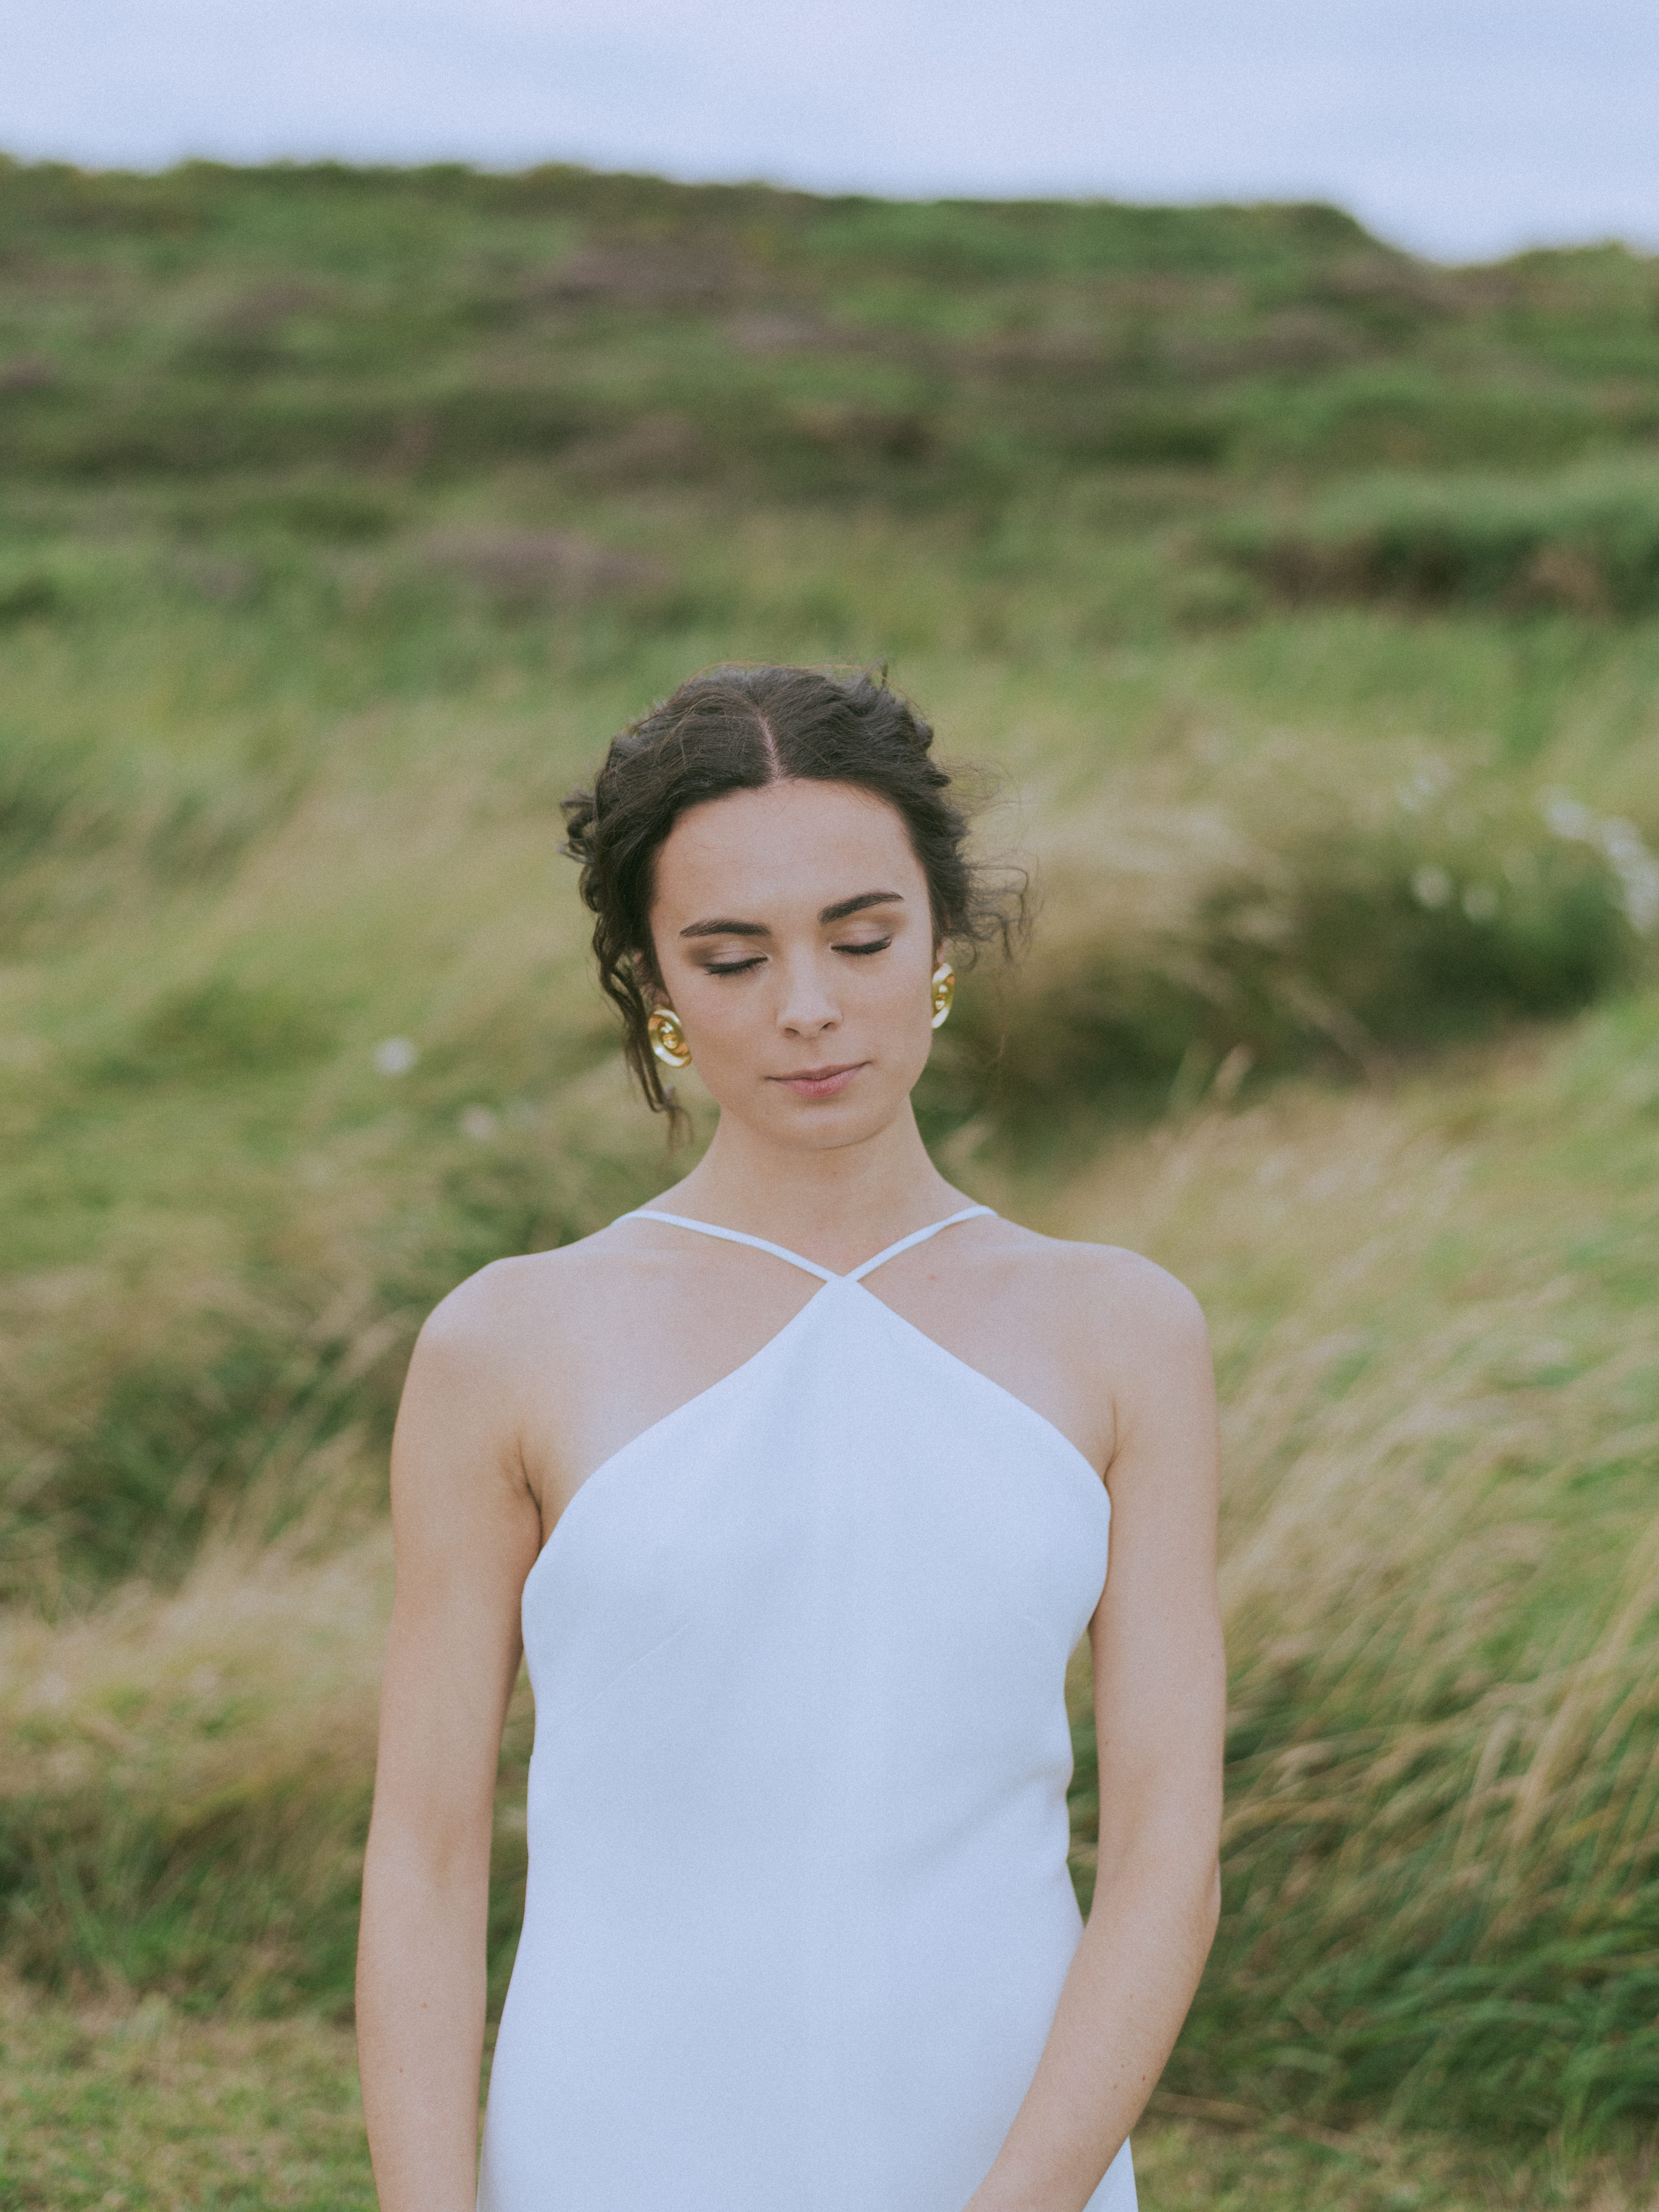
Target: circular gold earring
[
  {"x": 944, "y": 990},
  {"x": 662, "y": 1026}
]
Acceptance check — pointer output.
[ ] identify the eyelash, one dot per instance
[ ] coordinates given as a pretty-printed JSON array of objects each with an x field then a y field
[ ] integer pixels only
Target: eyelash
[{"x": 743, "y": 967}]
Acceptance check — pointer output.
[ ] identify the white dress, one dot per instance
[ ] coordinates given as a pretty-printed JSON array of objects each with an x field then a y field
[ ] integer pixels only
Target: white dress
[{"x": 799, "y": 1910}]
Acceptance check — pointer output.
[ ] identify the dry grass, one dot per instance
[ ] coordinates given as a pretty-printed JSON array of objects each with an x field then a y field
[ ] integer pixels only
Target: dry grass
[
  {"x": 280, "y": 757},
  {"x": 1441, "y": 1576},
  {"x": 258, "y": 1662},
  {"x": 1432, "y": 1309},
  {"x": 1185, "y": 2163},
  {"x": 187, "y": 1777},
  {"x": 225, "y": 1215}
]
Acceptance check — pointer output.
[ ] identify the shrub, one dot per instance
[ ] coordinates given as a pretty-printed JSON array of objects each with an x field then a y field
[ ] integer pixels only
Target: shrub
[
  {"x": 28, "y": 592},
  {"x": 524, "y": 568},
  {"x": 1587, "y": 543},
  {"x": 1333, "y": 937},
  {"x": 1410, "y": 417}
]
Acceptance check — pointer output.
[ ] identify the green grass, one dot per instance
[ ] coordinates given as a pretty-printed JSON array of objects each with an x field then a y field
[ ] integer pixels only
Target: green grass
[
  {"x": 419, "y": 326},
  {"x": 142, "y": 2109},
  {"x": 344, "y": 515},
  {"x": 1587, "y": 541},
  {"x": 139, "y": 2110},
  {"x": 1433, "y": 1316}
]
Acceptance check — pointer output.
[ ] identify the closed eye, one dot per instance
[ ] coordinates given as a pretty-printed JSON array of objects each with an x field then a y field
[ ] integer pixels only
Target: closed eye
[{"x": 743, "y": 967}]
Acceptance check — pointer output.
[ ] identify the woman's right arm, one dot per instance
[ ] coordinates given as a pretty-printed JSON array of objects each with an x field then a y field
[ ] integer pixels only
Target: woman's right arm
[{"x": 466, "y": 1530}]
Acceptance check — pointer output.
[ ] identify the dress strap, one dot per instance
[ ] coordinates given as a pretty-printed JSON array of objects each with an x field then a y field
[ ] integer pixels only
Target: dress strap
[
  {"x": 916, "y": 1236},
  {"x": 732, "y": 1236},
  {"x": 781, "y": 1252}
]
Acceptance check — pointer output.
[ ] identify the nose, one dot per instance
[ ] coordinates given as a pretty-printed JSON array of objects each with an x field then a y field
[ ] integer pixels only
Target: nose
[{"x": 808, "y": 1008}]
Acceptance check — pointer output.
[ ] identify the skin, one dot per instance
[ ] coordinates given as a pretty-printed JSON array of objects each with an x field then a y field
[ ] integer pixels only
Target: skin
[{"x": 532, "y": 1373}]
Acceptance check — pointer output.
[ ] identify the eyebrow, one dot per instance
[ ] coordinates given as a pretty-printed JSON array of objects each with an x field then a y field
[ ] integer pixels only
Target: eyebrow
[{"x": 838, "y": 912}]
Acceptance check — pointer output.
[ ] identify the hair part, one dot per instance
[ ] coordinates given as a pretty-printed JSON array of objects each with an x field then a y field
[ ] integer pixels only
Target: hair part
[{"x": 741, "y": 729}]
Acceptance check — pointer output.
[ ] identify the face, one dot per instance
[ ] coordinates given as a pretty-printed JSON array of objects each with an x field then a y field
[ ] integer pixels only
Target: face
[{"x": 794, "y": 941}]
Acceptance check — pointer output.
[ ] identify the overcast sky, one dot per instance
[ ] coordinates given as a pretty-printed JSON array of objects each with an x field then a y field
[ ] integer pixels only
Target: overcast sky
[{"x": 1464, "y": 128}]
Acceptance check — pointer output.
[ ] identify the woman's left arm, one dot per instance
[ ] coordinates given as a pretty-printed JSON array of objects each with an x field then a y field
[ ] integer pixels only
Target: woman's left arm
[{"x": 1160, "y": 1695}]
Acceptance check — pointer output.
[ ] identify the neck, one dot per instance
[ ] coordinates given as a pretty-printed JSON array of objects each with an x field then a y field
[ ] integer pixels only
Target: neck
[{"x": 837, "y": 1205}]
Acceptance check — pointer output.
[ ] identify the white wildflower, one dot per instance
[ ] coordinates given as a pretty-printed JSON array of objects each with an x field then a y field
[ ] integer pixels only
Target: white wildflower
[
  {"x": 1567, "y": 816},
  {"x": 1621, "y": 844}
]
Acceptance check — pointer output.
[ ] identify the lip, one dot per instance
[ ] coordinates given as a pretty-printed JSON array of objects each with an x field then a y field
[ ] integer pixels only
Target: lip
[{"x": 820, "y": 1082}]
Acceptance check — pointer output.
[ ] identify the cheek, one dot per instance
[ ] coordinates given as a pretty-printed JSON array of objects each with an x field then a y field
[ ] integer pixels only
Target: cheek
[
  {"x": 720, "y": 1010},
  {"x": 911, "y": 978},
  {"x": 725, "y": 1014},
  {"x": 895, "y": 1007}
]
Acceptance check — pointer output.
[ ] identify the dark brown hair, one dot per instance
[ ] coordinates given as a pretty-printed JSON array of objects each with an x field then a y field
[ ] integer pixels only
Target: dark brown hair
[{"x": 740, "y": 729}]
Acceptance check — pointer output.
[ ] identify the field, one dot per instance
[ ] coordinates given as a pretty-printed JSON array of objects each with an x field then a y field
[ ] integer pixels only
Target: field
[{"x": 1295, "y": 605}]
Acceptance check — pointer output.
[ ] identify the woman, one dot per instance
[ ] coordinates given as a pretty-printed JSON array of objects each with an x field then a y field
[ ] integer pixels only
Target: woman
[{"x": 800, "y": 1485}]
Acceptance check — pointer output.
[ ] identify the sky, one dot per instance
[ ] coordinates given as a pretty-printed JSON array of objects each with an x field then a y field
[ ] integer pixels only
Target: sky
[{"x": 1464, "y": 128}]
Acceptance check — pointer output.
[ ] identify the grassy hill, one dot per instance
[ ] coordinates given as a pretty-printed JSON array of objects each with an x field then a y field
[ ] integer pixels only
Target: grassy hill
[{"x": 1305, "y": 596}]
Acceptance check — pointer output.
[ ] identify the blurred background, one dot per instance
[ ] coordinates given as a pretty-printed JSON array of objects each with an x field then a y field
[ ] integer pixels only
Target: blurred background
[{"x": 1240, "y": 433}]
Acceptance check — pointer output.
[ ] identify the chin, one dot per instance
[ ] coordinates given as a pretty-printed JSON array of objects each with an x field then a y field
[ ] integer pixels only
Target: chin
[{"x": 820, "y": 1125}]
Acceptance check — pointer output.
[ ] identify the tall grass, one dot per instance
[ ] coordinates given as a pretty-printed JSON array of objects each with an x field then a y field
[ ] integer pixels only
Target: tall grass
[
  {"x": 1441, "y": 1585},
  {"x": 346, "y": 516},
  {"x": 1309, "y": 922},
  {"x": 187, "y": 1778}
]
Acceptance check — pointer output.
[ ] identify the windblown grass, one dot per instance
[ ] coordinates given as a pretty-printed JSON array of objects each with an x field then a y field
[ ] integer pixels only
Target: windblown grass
[
  {"x": 187, "y": 1778},
  {"x": 250, "y": 847},
  {"x": 347, "y": 515},
  {"x": 1434, "y": 1322},
  {"x": 1298, "y": 923},
  {"x": 186, "y": 1781},
  {"x": 1431, "y": 1313}
]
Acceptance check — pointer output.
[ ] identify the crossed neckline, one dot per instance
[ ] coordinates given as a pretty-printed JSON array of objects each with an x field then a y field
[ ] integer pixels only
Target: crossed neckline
[
  {"x": 810, "y": 1267},
  {"x": 580, "y": 1501}
]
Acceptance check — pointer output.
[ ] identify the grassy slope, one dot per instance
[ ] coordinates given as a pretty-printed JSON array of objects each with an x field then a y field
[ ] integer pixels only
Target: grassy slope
[{"x": 344, "y": 516}]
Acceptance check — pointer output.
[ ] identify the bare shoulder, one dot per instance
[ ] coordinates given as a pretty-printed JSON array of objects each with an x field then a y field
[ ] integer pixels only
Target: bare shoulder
[
  {"x": 1106, "y": 1287},
  {"x": 532, "y": 1304}
]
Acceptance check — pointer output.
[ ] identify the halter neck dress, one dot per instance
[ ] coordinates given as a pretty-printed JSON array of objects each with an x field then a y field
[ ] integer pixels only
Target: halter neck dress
[{"x": 798, "y": 1911}]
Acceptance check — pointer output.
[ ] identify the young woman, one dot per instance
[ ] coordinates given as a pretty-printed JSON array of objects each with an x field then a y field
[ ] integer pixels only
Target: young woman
[{"x": 799, "y": 1484}]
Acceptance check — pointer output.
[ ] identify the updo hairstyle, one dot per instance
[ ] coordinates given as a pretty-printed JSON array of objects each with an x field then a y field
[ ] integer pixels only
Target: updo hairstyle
[{"x": 740, "y": 729}]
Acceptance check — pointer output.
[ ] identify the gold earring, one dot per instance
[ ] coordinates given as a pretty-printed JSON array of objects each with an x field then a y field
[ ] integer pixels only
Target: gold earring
[
  {"x": 662, "y": 1026},
  {"x": 944, "y": 990}
]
